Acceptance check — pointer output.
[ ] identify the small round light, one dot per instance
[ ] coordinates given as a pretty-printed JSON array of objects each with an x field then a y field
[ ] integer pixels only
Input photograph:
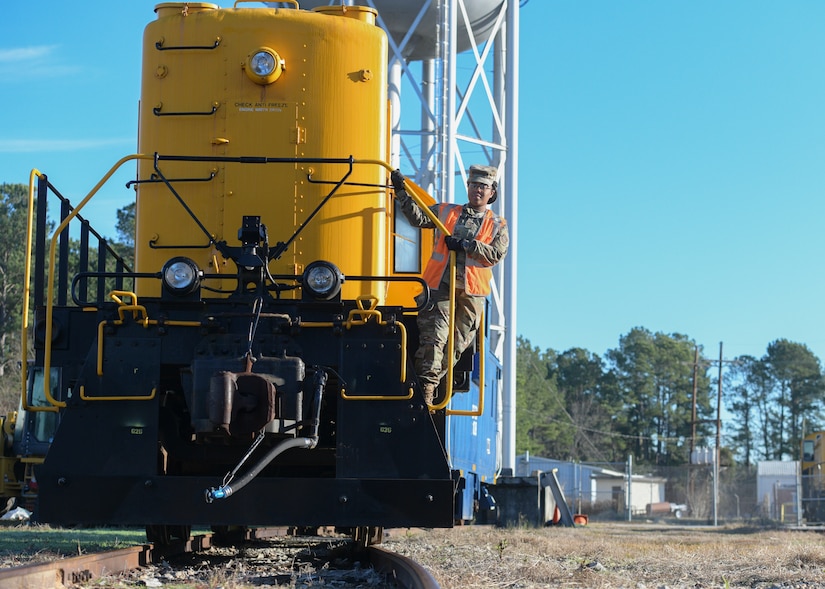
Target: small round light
[
  {"x": 322, "y": 280},
  {"x": 263, "y": 66},
  {"x": 181, "y": 276},
  {"x": 262, "y": 63}
]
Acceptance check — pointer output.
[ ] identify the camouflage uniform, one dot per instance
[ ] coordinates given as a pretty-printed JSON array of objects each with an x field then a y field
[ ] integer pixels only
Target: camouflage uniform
[{"x": 431, "y": 362}]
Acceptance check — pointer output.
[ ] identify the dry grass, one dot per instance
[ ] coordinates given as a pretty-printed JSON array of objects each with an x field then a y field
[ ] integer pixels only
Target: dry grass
[
  {"x": 600, "y": 555},
  {"x": 637, "y": 556}
]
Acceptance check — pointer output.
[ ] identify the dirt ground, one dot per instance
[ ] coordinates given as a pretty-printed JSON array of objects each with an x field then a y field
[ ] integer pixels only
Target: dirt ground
[{"x": 615, "y": 555}]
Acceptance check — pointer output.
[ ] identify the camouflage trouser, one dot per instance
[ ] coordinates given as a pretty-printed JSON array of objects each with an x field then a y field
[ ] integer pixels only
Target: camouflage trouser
[{"x": 433, "y": 326}]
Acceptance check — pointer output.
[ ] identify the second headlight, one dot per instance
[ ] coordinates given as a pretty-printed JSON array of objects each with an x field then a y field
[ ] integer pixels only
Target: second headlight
[
  {"x": 181, "y": 276},
  {"x": 322, "y": 280}
]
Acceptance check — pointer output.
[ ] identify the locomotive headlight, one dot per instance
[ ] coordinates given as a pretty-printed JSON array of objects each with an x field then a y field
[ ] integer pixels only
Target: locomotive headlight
[
  {"x": 322, "y": 280},
  {"x": 264, "y": 66},
  {"x": 262, "y": 63},
  {"x": 181, "y": 276}
]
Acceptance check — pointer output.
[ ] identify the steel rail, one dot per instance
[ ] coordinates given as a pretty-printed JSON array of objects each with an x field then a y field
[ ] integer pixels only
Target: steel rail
[
  {"x": 69, "y": 572},
  {"x": 408, "y": 573}
]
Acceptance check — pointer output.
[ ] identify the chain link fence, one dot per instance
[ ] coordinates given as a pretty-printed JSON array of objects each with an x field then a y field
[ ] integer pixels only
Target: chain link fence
[
  {"x": 767, "y": 493},
  {"x": 678, "y": 492}
]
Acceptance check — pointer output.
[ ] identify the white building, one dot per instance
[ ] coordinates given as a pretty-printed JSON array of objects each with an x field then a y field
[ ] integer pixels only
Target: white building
[
  {"x": 592, "y": 485},
  {"x": 776, "y": 490}
]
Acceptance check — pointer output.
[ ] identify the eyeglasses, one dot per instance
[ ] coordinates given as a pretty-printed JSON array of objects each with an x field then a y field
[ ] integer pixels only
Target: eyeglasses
[{"x": 477, "y": 186}]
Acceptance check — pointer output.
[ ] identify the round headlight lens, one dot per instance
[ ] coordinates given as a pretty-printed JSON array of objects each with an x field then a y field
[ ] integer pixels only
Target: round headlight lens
[
  {"x": 322, "y": 280},
  {"x": 180, "y": 275},
  {"x": 262, "y": 63}
]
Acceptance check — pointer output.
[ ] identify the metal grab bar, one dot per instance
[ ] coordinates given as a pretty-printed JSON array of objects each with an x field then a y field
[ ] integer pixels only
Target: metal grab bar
[
  {"x": 482, "y": 356},
  {"x": 157, "y": 111},
  {"x": 27, "y": 270},
  {"x": 159, "y": 45},
  {"x": 415, "y": 192},
  {"x": 54, "y": 404},
  {"x": 361, "y": 316}
]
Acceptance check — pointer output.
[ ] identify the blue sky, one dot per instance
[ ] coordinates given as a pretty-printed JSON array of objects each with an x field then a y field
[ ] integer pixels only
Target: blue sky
[
  {"x": 675, "y": 180},
  {"x": 672, "y": 157}
]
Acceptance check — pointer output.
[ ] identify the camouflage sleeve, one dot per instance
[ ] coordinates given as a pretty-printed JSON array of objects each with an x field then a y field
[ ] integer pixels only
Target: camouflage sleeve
[
  {"x": 412, "y": 212},
  {"x": 492, "y": 253}
]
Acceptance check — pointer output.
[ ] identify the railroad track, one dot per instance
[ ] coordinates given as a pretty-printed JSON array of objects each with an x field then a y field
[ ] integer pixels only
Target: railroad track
[{"x": 68, "y": 572}]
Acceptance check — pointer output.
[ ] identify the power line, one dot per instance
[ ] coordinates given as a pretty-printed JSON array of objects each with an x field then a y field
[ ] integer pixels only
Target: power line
[{"x": 608, "y": 434}]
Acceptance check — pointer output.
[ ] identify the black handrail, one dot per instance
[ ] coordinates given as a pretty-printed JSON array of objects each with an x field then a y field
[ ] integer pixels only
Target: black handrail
[{"x": 105, "y": 253}]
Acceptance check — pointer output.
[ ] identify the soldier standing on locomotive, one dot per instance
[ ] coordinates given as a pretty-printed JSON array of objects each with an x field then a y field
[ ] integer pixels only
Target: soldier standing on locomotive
[{"x": 480, "y": 239}]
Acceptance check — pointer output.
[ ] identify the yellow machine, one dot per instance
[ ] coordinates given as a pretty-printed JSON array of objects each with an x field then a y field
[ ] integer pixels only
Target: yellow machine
[
  {"x": 10, "y": 483},
  {"x": 17, "y": 484}
]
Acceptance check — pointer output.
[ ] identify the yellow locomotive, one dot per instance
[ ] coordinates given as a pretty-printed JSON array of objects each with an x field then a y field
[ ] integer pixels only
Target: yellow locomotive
[{"x": 254, "y": 367}]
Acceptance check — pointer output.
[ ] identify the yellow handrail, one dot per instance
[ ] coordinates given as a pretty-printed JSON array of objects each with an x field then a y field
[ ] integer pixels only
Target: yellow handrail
[
  {"x": 293, "y": 2},
  {"x": 481, "y": 370},
  {"x": 27, "y": 270},
  {"x": 360, "y": 316},
  {"x": 148, "y": 397},
  {"x": 415, "y": 192},
  {"x": 407, "y": 397},
  {"x": 137, "y": 311},
  {"x": 47, "y": 359}
]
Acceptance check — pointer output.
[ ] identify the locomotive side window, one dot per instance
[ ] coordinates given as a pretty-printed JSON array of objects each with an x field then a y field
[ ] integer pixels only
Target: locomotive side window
[
  {"x": 808, "y": 451},
  {"x": 45, "y": 424},
  {"x": 37, "y": 395},
  {"x": 407, "y": 245},
  {"x": 42, "y": 424}
]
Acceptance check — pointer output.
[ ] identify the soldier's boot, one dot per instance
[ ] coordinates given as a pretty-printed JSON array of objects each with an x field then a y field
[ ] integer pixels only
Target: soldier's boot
[{"x": 429, "y": 393}]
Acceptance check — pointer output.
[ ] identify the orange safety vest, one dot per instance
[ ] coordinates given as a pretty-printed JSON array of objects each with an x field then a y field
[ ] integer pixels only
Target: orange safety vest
[{"x": 477, "y": 277}]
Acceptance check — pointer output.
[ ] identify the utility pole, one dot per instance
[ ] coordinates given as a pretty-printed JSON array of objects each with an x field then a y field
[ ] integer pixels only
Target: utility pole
[
  {"x": 693, "y": 411},
  {"x": 693, "y": 425},
  {"x": 694, "y": 421},
  {"x": 716, "y": 454}
]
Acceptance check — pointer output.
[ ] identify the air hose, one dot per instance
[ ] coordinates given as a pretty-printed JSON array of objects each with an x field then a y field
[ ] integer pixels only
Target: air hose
[{"x": 308, "y": 442}]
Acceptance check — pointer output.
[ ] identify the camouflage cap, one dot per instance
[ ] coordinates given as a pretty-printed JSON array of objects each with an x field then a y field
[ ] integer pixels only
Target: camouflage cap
[{"x": 483, "y": 174}]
